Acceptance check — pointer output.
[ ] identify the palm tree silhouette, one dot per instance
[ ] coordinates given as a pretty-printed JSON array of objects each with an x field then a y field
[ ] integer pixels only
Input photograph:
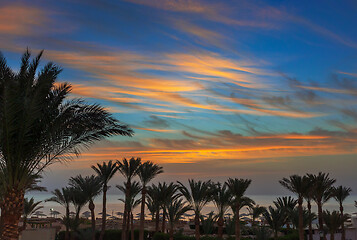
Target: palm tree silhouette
[
  {"x": 155, "y": 201},
  {"x": 175, "y": 210},
  {"x": 221, "y": 198},
  {"x": 287, "y": 204},
  {"x": 105, "y": 172},
  {"x": 308, "y": 196},
  {"x": 198, "y": 194},
  {"x": 64, "y": 198},
  {"x": 30, "y": 207},
  {"x": 275, "y": 219},
  {"x": 168, "y": 193},
  {"x": 90, "y": 187},
  {"x": 255, "y": 212},
  {"x": 131, "y": 202},
  {"x": 333, "y": 221},
  {"x": 147, "y": 171},
  {"x": 340, "y": 193},
  {"x": 321, "y": 194},
  {"x": 40, "y": 127},
  {"x": 129, "y": 169},
  {"x": 298, "y": 185},
  {"x": 237, "y": 188}
]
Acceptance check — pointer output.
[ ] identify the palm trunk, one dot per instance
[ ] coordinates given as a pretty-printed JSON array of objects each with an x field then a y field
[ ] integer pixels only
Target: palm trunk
[
  {"x": 142, "y": 214},
  {"x": 301, "y": 224},
  {"x": 66, "y": 236},
  {"x": 163, "y": 221},
  {"x": 332, "y": 236},
  {"x": 125, "y": 225},
  {"x": 321, "y": 222},
  {"x": 310, "y": 220},
  {"x": 275, "y": 234},
  {"x": 132, "y": 227},
  {"x": 128, "y": 225},
  {"x": 171, "y": 232},
  {"x": 237, "y": 223},
  {"x": 104, "y": 212},
  {"x": 220, "y": 224},
  {"x": 157, "y": 221},
  {"x": 197, "y": 226},
  {"x": 125, "y": 216},
  {"x": 91, "y": 208},
  {"x": 11, "y": 211},
  {"x": 343, "y": 234}
]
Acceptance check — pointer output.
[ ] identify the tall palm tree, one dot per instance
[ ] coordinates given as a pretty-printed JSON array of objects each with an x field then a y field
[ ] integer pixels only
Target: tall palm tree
[
  {"x": 175, "y": 210},
  {"x": 40, "y": 127},
  {"x": 255, "y": 212},
  {"x": 298, "y": 185},
  {"x": 168, "y": 193},
  {"x": 198, "y": 194},
  {"x": 333, "y": 221},
  {"x": 155, "y": 199},
  {"x": 131, "y": 202},
  {"x": 275, "y": 219},
  {"x": 90, "y": 186},
  {"x": 147, "y": 171},
  {"x": 221, "y": 198},
  {"x": 340, "y": 193},
  {"x": 105, "y": 172},
  {"x": 30, "y": 207},
  {"x": 64, "y": 198},
  {"x": 321, "y": 194},
  {"x": 308, "y": 196},
  {"x": 129, "y": 169},
  {"x": 287, "y": 204},
  {"x": 237, "y": 188}
]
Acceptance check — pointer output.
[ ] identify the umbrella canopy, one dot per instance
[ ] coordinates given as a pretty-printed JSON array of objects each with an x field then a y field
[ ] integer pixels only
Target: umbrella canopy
[
  {"x": 87, "y": 214},
  {"x": 119, "y": 213},
  {"x": 102, "y": 214}
]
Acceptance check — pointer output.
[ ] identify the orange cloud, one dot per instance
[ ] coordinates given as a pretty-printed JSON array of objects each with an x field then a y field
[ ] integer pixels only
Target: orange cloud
[{"x": 21, "y": 20}]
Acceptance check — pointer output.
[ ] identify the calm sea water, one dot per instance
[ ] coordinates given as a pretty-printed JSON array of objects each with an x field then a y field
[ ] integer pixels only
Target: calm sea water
[{"x": 114, "y": 205}]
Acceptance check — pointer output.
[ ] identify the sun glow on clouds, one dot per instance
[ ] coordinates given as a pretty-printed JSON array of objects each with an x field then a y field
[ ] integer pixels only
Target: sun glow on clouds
[{"x": 217, "y": 91}]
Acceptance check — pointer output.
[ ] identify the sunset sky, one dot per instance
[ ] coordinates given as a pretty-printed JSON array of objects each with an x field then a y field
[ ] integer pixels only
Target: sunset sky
[{"x": 212, "y": 89}]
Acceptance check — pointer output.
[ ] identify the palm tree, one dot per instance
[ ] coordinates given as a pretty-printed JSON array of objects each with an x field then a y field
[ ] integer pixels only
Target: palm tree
[
  {"x": 321, "y": 194},
  {"x": 221, "y": 198},
  {"x": 198, "y": 195},
  {"x": 154, "y": 199},
  {"x": 90, "y": 186},
  {"x": 306, "y": 215},
  {"x": 79, "y": 200},
  {"x": 175, "y": 210},
  {"x": 105, "y": 172},
  {"x": 64, "y": 198},
  {"x": 340, "y": 193},
  {"x": 147, "y": 171},
  {"x": 298, "y": 185},
  {"x": 30, "y": 207},
  {"x": 275, "y": 219},
  {"x": 39, "y": 127},
  {"x": 237, "y": 188},
  {"x": 168, "y": 193},
  {"x": 308, "y": 196},
  {"x": 287, "y": 204},
  {"x": 129, "y": 169},
  {"x": 333, "y": 221},
  {"x": 255, "y": 212},
  {"x": 131, "y": 202}
]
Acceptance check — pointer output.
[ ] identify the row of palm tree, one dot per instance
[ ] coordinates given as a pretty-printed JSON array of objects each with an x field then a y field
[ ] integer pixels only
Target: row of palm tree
[
  {"x": 318, "y": 188},
  {"x": 83, "y": 190},
  {"x": 174, "y": 199}
]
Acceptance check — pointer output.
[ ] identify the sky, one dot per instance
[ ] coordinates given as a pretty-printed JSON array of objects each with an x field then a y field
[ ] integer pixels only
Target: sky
[{"x": 212, "y": 89}]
